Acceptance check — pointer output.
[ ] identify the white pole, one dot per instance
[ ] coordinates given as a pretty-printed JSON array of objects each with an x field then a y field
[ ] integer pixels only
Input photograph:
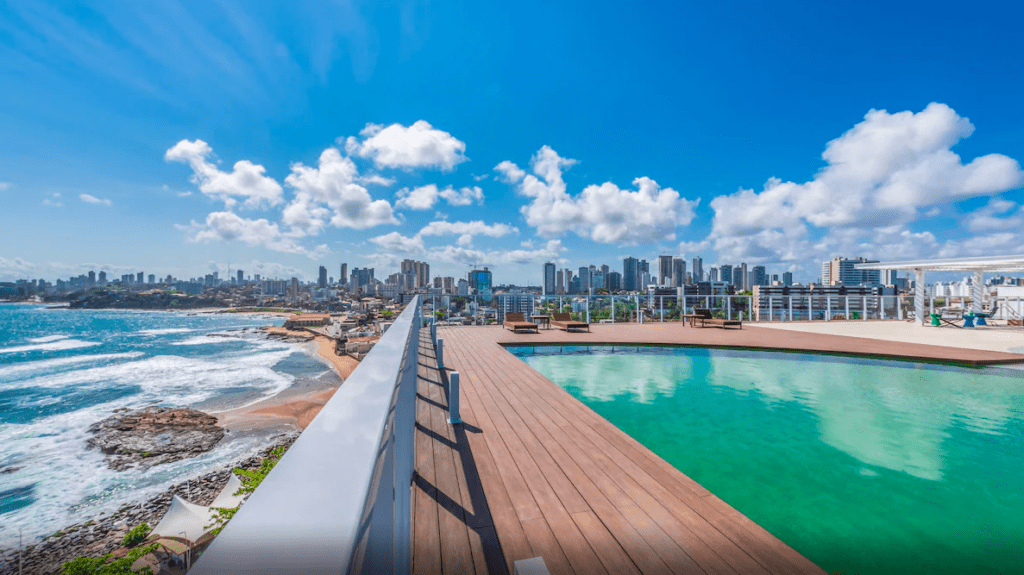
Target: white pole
[
  {"x": 728, "y": 307},
  {"x": 771, "y": 311},
  {"x": 790, "y": 308},
  {"x": 661, "y": 306},
  {"x": 919, "y": 298},
  {"x": 847, "y": 304},
  {"x": 864, "y": 308},
  {"x": 613, "y": 309},
  {"x": 977, "y": 292},
  {"x": 810, "y": 307},
  {"x": 440, "y": 354},
  {"x": 453, "y": 398},
  {"x": 828, "y": 308}
]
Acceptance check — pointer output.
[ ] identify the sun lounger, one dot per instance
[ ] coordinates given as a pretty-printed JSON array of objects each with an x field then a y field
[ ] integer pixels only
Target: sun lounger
[
  {"x": 705, "y": 319},
  {"x": 565, "y": 322},
  {"x": 517, "y": 321}
]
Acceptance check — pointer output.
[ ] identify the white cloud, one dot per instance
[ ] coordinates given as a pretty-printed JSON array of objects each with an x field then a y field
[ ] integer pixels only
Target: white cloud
[
  {"x": 510, "y": 172},
  {"x": 998, "y": 214},
  {"x": 463, "y": 196},
  {"x": 259, "y": 233},
  {"x": 421, "y": 198},
  {"x": 330, "y": 192},
  {"x": 879, "y": 173},
  {"x": 464, "y": 256},
  {"x": 417, "y": 146},
  {"x": 474, "y": 228},
  {"x": 375, "y": 180},
  {"x": 247, "y": 180},
  {"x": 90, "y": 199},
  {"x": 5, "y": 186},
  {"x": 53, "y": 201},
  {"x": 603, "y": 213},
  {"x": 396, "y": 242}
]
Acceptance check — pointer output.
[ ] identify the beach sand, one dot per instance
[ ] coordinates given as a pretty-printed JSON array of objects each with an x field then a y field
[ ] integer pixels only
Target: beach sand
[{"x": 294, "y": 407}]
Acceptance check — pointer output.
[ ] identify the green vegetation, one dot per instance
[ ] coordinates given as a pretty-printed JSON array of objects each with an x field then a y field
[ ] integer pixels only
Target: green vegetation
[
  {"x": 137, "y": 535},
  {"x": 221, "y": 516},
  {"x": 103, "y": 565},
  {"x": 251, "y": 479}
]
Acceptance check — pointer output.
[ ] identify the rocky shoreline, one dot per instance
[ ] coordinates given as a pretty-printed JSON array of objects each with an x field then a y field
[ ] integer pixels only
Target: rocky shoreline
[
  {"x": 103, "y": 534},
  {"x": 154, "y": 435}
]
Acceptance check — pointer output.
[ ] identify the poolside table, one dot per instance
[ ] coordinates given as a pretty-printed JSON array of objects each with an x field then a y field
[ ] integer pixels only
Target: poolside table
[
  {"x": 693, "y": 317},
  {"x": 544, "y": 320}
]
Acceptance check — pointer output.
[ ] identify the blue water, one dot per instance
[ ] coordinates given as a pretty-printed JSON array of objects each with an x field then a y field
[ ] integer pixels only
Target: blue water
[
  {"x": 864, "y": 466},
  {"x": 62, "y": 370}
]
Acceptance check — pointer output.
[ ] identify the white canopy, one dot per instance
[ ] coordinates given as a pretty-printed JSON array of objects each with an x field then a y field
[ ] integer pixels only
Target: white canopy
[
  {"x": 976, "y": 266},
  {"x": 184, "y": 519},
  {"x": 227, "y": 497},
  {"x": 192, "y": 520}
]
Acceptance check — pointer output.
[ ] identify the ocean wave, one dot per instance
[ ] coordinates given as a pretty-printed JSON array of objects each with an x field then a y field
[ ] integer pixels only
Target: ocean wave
[
  {"x": 205, "y": 339},
  {"x": 51, "y": 364},
  {"x": 58, "y": 345},
  {"x": 48, "y": 338},
  {"x": 165, "y": 331}
]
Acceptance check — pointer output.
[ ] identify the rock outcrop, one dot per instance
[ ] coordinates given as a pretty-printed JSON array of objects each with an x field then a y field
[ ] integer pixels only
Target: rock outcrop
[
  {"x": 154, "y": 435},
  {"x": 112, "y": 299}
]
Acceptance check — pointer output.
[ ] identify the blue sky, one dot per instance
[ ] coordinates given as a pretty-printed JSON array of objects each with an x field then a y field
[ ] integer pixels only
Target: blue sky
[{"x": 508, "y": 135}]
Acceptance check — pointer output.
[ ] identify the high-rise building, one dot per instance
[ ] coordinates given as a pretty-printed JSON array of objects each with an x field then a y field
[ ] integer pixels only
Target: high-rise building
[
  {"x": 293, "y": 291},
  {"x": 549, "y": 279},
  {"x": 568, "y": 281},
  {"x": 744, "y": 277},
  {"x": 139, "y": 278},
  {"x": 613, "y": 281},
  {"x": 630, "y": 267},
  {"x": 665, "y": 270},
  {"x": 361, "y": 279},
  {"x": 890, "y": 277},
  {"x": 241, "y": 277},
  {"x": 787, "y": 278},
  {"x": 584, "y": 277},
  {"x": 725, "y": 273},
  {"x": 698, "y": 269},
  {"x": 560, "y": 281},
  {"x": 678, "y": 272},
  {"x": 103, "y": 278},
  {"x": 152, "y": 279},
  {"x": 322, "y": 280},
  {"x": 92, "y": 278},
  {"x": 420, "y": 269},
  {"x": 843, "y": 271},
  {"x": 713, "y": 274},
  {"x": 480, "y": 280},
  {"x": 343, "y": 278},
  {"x": 758, "y": 276}
]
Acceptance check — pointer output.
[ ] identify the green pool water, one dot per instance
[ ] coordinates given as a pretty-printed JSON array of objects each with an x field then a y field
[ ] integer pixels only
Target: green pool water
[{"x": 864, "y": 466}]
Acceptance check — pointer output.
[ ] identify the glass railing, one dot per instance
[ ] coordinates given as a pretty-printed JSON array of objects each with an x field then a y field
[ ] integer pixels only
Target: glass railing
[{"x": 645, "y": 308}]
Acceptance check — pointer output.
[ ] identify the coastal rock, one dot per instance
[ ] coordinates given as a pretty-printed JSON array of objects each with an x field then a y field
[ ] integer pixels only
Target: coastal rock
[
  {"x": 114, "y": 299},
  {"x": 154, "y": 435}
]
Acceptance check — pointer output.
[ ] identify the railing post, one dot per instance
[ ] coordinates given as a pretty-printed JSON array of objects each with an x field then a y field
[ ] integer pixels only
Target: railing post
[
  {"x": 453, "y": 398},
  {"x": 847, "y": 304},
  {"x": 728, "y": 307},
  {"x": 864, "y": 308},
  {"x": 440, "y": 354},
  {"x": 433, "y": 332},
  {"x": 790, "y": 308},
  {"x": 613, "y": 309},
  {"x": 828, "y": 308}
]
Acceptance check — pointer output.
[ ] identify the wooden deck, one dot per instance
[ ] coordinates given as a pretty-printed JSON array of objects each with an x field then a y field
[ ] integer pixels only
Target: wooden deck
[{"x": 534, "y": 472}]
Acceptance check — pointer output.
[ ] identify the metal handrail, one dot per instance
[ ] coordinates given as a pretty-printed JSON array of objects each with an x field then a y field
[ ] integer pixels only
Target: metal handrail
[{"x": 339, "y": 500}]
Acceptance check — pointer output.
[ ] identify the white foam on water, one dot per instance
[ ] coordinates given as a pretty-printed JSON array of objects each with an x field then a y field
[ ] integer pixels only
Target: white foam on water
[
  {"x": 58, "y": 345},
  {"x": 205, "y": 339},
  {"x": 165, "y": 331},
  {"x": 20, "y": 369},
  {"x": 48, "y": 338}
]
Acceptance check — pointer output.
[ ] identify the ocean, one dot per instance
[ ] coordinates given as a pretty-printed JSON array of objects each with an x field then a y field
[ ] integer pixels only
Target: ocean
[{"x": 62, "y": 370}]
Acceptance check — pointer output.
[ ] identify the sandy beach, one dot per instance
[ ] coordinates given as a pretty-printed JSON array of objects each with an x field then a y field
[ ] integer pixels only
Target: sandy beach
[{"x": 295, "y": 407}]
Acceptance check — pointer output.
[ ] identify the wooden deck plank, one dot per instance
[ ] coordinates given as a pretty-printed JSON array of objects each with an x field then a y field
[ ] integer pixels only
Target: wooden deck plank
[{"x": 634, "y": 542}]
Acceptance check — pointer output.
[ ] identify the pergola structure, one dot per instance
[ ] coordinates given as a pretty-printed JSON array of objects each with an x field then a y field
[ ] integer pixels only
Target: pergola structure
[{"x": 977, "y": 266}]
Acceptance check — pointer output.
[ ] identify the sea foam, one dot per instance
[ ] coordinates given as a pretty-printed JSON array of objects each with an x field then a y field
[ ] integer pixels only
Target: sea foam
[{"x": 52, "y": 345}]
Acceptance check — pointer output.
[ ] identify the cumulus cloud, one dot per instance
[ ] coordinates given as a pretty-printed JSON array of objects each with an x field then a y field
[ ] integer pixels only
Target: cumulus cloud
[
  {"x": 421, "y": 198},
  {"x": 330, "y": 194},
  {"x": 463, "y": 196},
  {"x": 604, "y": 213},
  {"x": 5, "y": 186},
  {"x": 246, "y": 180},
  {"x": 396, "y": 242},
  {"x": 882, "y": 172},
  {"x": 417, "y": 146},
  {"x": 258, "y": 233},
  {"x": 464, "y": 256},
  {"x": 510, "y": 172},
  {"x": 424, "y": 197},
  {"x": 474, "y": 228},
  {"x": 90, "y": 199},
  {"x": 998, "y": 214}
]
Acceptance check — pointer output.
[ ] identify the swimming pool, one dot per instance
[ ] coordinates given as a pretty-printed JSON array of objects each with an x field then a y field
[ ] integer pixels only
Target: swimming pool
[{"x": 862, "y": 465}]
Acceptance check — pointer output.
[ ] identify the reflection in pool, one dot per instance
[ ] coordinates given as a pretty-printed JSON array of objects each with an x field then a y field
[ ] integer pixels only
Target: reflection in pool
[{"x": 864, "y": 466}]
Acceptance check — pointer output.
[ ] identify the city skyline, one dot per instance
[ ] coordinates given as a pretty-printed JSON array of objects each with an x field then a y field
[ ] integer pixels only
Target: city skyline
[{"x": 254, "y": 144}]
